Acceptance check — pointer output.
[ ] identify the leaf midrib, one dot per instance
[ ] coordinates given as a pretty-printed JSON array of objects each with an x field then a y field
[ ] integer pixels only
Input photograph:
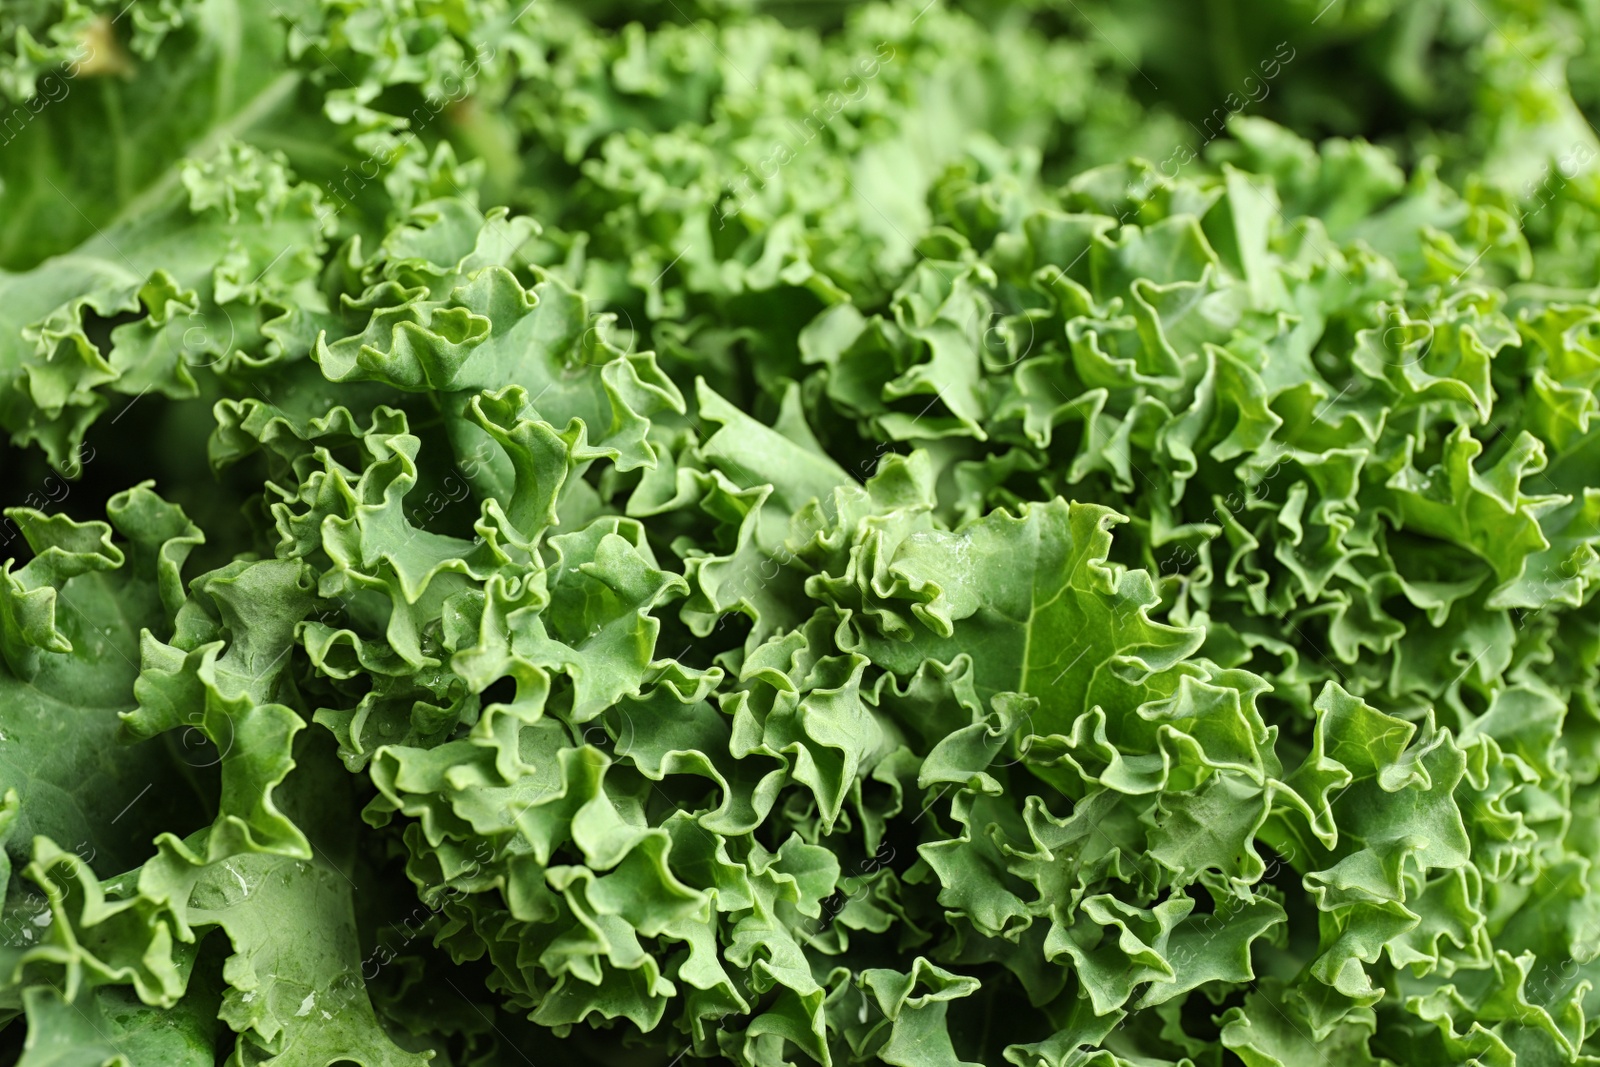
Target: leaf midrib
[{"x": 260, "y": 105}]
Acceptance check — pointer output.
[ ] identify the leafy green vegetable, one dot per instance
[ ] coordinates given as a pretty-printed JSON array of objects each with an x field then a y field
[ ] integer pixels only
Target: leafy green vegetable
[{"x": 1050, "y": 534}]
